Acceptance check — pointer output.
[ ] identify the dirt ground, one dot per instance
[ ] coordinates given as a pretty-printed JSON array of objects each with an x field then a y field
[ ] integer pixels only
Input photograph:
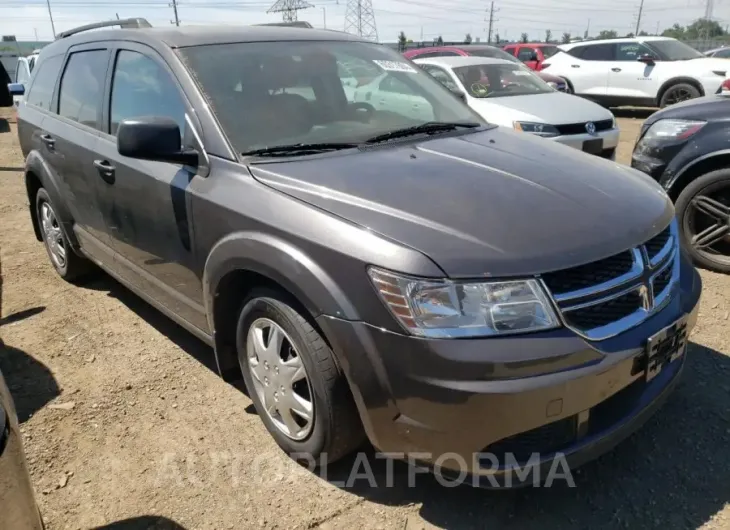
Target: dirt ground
[{"x": 127, "y": 426}]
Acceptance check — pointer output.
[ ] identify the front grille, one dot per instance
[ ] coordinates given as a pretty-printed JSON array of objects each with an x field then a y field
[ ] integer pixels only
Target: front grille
[
  {"x": 605, "y": 297},
  {"x": 580, "y": 128},
  {"x": 545, "y": 440}
]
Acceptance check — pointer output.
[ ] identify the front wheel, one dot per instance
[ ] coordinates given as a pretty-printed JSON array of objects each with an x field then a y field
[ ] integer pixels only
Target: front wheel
[
  {"x": 291, "y": 375},
  {"x": 703, "y": 210},
  {"x": 678, "y": 93}
]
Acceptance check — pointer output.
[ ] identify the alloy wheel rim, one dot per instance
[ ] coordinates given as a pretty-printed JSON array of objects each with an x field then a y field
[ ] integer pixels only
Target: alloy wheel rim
[
  {"x": 708, "y": 225},
  {"x": 677, "y": 95},
  {"x": 280, "y": 379},
  {"x": 53, "y": 235}
]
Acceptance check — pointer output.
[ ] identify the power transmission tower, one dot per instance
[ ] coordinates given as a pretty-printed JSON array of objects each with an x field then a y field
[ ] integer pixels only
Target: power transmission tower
[
  {"x": 360, "y": 19},
  {"x": 289, "y": 8},
  {"x": 492, "y": 20},
  {"x": 709, "y": 6},
  {"x": 638, "y": 17},
  {"x": 174, "y": 9}
]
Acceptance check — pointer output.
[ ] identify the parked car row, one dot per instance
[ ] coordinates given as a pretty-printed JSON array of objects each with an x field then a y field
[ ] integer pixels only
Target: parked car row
[{"x": 370, "y": 255}]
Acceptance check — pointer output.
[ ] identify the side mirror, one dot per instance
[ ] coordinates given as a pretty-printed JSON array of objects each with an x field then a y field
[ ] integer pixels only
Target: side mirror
[
  {"x": 16, "y": 89},
  {"x": 153, "y": 138},
  {"x": 646, "y": 59}
]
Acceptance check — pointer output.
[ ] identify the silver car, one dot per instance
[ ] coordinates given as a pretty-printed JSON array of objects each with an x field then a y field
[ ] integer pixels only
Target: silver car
[{"x": 511, "y": 95}]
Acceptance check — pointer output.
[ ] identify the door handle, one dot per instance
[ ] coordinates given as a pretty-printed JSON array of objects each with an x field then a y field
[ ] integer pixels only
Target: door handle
[
  {"x": 575, "y": 66},
  {"x": 106, "y": 170},
  {"x": 615, "y": 69},
  {"x": 48, "y": 140}
]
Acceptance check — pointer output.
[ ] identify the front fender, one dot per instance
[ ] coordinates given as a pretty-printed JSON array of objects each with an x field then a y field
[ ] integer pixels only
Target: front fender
[
  {"x": 280, "y": 261},
  {"x": 36, "y": 166}
]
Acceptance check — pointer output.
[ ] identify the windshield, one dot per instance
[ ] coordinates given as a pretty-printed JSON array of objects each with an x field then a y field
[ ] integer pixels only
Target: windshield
[
  {"x": 494, "y": 53},
  {"x": 281, "y": 93},
  {"x": 549, "y": 51},
  {"x": 500, "y": 80},
  {"x": 673, "y": 50}
]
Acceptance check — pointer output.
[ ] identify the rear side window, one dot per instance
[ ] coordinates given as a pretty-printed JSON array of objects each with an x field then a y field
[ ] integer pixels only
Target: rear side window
[
  {"x": 527, "y": 54},
  {"x": 724, "y": 54},
  {"x": 549, "y": 51},
  {"x": 599, "y": 52},
  {"x": 82, "y": 86},
  {"x": 142, "y": 87},
  {"x": 577, "y": 51},
  {"x": 44, "y": 81}
]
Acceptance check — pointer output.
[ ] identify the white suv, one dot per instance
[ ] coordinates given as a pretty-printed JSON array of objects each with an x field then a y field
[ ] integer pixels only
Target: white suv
[{"x": 648, "y": 71}]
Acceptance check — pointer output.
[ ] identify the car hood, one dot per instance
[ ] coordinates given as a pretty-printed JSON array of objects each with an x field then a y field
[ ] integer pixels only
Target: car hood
[
  {"x": 554, "y": 108},
  {"x": 493, "y": 203}
]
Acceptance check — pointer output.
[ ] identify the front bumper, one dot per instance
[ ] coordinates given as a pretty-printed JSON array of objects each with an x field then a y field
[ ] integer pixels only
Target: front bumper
[
  {"x": 548, "y": 392},
  {"x": 609, "y": 137}
]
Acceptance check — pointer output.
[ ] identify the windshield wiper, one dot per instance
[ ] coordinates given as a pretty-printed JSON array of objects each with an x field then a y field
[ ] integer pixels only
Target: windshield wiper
[
  {"x": 299, "y": 149},
  {"x": 424, "y": 128}
]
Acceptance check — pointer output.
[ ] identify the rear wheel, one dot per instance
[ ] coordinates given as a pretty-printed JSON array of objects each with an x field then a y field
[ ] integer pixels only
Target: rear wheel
[
  {"x": 293, "y": 380},
  {"x": 678, "y": 93},
  {"x": 703, "y": 209},
  {"x": 67, "y": 263}
]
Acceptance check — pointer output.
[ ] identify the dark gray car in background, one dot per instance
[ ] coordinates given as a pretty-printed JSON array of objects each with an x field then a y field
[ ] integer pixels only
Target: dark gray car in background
[{"x": 444, "y": 286}]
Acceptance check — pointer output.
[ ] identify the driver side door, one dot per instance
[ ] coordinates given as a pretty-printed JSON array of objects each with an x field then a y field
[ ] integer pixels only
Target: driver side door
[{"x": 630, "y": 78}]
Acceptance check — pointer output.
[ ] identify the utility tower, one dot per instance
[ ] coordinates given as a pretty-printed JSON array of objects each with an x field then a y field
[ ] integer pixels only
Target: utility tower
[
  {"x": 638, "y": 18},
  {"x": 491, "y": 20},
  {"x": 360, "y": 19},
  {"x": 709, "y": 6},
  {"x": 289, "y": 8}
]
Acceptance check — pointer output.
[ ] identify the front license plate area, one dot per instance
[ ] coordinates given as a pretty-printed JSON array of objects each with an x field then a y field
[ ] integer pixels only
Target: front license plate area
[
  {"x": 593, "y": 147},
  {"x": 665, "y": 347}
]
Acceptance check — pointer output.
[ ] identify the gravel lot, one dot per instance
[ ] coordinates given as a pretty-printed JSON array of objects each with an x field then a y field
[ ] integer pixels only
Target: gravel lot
[{"x": 126, "y": 423}]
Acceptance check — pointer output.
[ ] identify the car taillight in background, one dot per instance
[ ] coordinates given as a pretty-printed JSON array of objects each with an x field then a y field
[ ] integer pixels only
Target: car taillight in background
[{"x": 725, "y": 88}]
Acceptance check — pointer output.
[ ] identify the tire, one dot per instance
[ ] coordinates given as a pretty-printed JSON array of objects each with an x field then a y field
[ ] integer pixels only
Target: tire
[
  {"x": 73, "y": 266},
  {"x": 335, "y": 429},
  {"x": 684, "y": 91},
  {"x": 704, "y": 186}
]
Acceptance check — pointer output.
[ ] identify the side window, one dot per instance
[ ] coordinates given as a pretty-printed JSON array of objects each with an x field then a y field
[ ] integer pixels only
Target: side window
[
  {"x": 510, "y": 50},
  {"x": 441, "y": 76},
  {"x": 723, "y": 54},
  {"x": 630, "y": 51},
  {"x": 142, "y": 87},
  {"x": 21, "y": 73},
  {"x": 527, "y": 54},
  {"x": 43, "y": 82},
  {"x": 577, "y": 51},
  {"x": 393, "y": 84},
  {"x": 82, "y": 86},
  {"x": 599, "y": 52}
]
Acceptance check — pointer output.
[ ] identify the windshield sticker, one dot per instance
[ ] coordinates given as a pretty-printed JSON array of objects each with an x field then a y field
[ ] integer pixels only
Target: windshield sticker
[
  {"x": 396, "y": 66},
  {"x": 523, "y": 73}
]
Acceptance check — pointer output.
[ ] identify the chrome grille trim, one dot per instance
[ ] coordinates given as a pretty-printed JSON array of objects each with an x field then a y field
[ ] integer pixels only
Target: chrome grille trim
[{"x": 640, "y": 279}]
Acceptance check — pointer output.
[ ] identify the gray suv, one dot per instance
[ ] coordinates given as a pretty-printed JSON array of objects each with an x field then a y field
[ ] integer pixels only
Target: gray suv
[{"x": 436, "y": 284}]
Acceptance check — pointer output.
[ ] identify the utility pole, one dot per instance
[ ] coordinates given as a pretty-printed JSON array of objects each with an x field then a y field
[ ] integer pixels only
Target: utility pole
[
  {"x": 50, "y": 14},
  {"x": 174, "y": 9},
  {"x": 638, "y": 18},
  {"x": 491, "y": 23},
  {"x": 588, "y": 29},
  {"x": 35, "y": 30},
  {"x": 657, "y": 28},
  {"x": 324, "y": 16}
]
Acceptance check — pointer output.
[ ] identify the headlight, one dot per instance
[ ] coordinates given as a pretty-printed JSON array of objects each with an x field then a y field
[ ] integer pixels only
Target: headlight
[
  {"x": 540, "y": 129},
  {"x": 670, "y": 130},
  {"x": 443, "y": 308}
]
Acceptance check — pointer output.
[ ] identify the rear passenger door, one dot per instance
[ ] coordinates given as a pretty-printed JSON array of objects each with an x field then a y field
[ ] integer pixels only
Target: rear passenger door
[
  {"x": 589, "y": 68},
  {"x": 146, "y": 203},
  {"x": 69, "y": 139}
]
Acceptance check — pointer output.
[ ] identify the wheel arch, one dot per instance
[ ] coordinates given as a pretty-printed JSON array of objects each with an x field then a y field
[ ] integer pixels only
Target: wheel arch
[
  {"x": 246, "y": 260},
  {"x": 695, "y": 169},
  {"x": 675, "y": 81},
  {"x": 38, "y": 174}
]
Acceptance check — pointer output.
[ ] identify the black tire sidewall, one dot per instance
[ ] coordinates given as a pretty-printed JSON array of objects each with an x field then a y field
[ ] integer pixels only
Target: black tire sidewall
[
  {"x": 267, "y": 304},
  {"x": 696, "y": 93},
  {"x": 682, "y": 207},
  {"x": 41, "y": 197}
]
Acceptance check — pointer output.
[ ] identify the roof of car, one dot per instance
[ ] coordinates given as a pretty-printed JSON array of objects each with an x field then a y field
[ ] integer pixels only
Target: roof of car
[
  {"x": 453, "y": 62},
  {"x": 180, "y": 37},
  {"x": 611, "y": 41},
  {"x": 531, "y": 44}
]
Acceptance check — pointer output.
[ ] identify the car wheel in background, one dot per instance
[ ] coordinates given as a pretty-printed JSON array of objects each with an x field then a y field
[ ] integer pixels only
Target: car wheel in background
[
  {"x": 703, "y": 209},
  {"x": 678, "y": 93},
  {"x": 292, "y": 377},
  {"x": 67, "y": 263}
]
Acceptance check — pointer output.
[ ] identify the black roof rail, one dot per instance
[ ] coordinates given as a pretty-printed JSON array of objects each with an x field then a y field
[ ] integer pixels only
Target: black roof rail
[
  {"x": 125, "y": 23},
  {"x": 296, "y": 24}
]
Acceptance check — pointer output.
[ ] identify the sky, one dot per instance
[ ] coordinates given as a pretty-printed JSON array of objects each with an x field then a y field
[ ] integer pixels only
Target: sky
[{"x": 451, "y": 19}]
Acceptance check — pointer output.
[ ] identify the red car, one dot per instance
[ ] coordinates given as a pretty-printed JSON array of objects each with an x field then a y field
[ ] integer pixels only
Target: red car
[
  {"x": 483, "y": 50},
  {"x": 532, "y": 54}
]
